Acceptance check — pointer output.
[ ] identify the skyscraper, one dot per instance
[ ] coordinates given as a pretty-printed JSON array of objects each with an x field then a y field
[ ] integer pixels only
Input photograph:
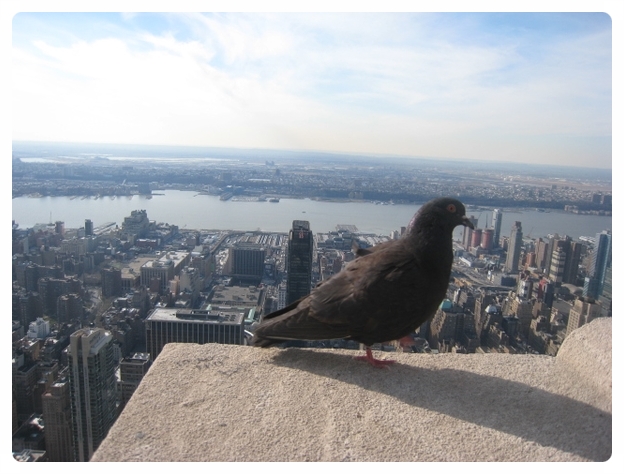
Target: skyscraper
[
  {"x": 132, "y": 370},
  {"x": 57, "y": 416},
  {"x": 111, "y": 282},
  {"x": 92, "y": 389},
  {"x": 299, "y": 263},
  {"x": 497, "y": 221},
  {"x": 600, "y": 261},
  {"x": 557, "y": 266},
  {"x": 572, "y": 263},
  {"x": 467, "y": 236},
  {"x": 515, "y": 245}
]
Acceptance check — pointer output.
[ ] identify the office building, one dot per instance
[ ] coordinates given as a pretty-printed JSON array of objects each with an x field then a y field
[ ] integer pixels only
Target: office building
[
  {"x": 515, "y": 246},
  {"x": 165, "y": 325},
  {"x": 299, "y": 261},
  {"x": 557, "y": 266},
  {"x": 155, "y": 274},
  {"x": 38, "y": 329},
  {"x": 247, "y": 260},
  {"x": 111, "y": 282},
  {"x": 475, "y": 241},
  {"x": 599, "y": 262},
  {"x": 132, "y": 369},
  {"x": 467, "y": 233},
  {"x": 522, "y": 309},
  {"x": 573, "y": 260},
  {"x": 92, "y": 389},
  {"x": 25, "y": 375},
  {"x": 58, "y": 425},
  {"x": 584, "y": 311},
  {"x": 59, "y": 227},
  {"x": 487, "y": 239},
  {"x": 497, "y": 222},
  {"x": 69, "y": 308}
]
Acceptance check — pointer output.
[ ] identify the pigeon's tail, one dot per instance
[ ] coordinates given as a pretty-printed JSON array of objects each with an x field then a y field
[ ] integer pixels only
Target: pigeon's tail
[
  {"x": 294, "y": 323},
  {"x": 258, "y": 341}
]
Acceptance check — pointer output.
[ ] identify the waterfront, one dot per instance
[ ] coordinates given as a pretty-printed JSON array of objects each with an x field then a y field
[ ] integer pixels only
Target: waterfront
[{"x": 190, "y": 210}]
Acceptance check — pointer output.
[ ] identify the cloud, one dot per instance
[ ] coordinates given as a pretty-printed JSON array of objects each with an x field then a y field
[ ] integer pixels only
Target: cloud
[{"x": 395, "y": 84}]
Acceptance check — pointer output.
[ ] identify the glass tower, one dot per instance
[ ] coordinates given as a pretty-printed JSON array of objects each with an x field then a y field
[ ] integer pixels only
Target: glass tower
[
  {"x": 299, "y": 262},
  {"x": 600, "y": 261}
]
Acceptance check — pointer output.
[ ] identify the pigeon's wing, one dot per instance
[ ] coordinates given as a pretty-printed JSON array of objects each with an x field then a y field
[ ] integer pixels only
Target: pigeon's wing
[
  {"x": 349, "y": 304},
  {"x": 361, "y": 295}
]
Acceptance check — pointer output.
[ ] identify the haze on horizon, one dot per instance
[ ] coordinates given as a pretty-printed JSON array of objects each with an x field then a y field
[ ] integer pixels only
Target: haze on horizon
[{"x": 515, "y": 87}]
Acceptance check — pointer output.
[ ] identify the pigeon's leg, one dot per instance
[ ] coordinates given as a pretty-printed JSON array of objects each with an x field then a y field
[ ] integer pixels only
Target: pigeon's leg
[{"x": 374, "y": 362}]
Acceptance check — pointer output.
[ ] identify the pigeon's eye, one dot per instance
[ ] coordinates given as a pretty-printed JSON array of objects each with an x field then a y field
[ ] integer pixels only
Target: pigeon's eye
[{"x": 451, "y": 208}]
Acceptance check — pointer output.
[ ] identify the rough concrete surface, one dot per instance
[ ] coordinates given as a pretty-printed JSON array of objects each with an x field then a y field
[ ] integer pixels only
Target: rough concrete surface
[{"x": 236, "y": 403}]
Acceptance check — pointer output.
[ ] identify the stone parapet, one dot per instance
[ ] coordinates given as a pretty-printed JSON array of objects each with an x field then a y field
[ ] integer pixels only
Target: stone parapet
[{"x": 236, "y": 403}]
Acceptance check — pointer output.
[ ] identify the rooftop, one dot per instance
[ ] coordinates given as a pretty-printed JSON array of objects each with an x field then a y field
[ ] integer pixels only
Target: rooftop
[
  {"x": 217, "y": 316},
  {"x": 240, "y": 403}
]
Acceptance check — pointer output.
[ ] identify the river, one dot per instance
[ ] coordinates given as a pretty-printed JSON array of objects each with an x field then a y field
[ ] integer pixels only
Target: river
[{"x": 190, "y": 210}]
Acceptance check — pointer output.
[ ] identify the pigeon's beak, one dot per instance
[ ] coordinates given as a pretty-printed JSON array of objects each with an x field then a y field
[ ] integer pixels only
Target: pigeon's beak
[{"x": 466, "y": 222}]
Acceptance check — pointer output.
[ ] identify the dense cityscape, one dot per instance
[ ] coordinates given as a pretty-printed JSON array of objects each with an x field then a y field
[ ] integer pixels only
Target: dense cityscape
[
  {"x": 95, "y": 305},
  {"x": 40, "y": 172}
]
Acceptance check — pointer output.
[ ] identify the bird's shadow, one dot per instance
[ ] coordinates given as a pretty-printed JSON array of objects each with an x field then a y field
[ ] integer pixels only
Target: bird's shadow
[{"x": 507, "y": 406}]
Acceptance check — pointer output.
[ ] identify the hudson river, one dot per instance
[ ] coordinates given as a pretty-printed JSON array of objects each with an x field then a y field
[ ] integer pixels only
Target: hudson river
[{"x": 190, "y": 210}]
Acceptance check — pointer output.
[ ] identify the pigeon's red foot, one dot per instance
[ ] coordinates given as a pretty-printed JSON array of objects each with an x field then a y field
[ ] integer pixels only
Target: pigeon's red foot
[{"x": 380, "y": 364}]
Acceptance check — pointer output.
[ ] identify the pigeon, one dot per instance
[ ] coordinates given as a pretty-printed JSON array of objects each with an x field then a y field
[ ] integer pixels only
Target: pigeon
[{"x": 386, "y": 293}]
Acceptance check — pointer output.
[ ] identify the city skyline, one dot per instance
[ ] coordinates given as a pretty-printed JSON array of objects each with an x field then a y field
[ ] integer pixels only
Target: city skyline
[{"x": 515, "y": 87}]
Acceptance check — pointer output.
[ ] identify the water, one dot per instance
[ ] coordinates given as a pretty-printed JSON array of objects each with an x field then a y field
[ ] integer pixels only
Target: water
[{"x": 190, "y": 210}]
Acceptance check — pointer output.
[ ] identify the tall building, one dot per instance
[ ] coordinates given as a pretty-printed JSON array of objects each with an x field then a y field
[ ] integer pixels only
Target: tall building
[
  {"x": 88, "y": 227},
  {"x": 475, "y": 241},
  {"x": 497, "y": 222},
  {"x": 584, "y": 311},
  {"x": 599, "y": 262},
  {"x": 111, "y": 282},
  {"x": 299, "y": 262},
  {"x": 59, "y": 227},
  {"x": 515, "y": 245},
  {"x": 58, "y": 426},
  {"x": 92, "y": 389},
  {"x": 132, "y": 369},
  {"x": 467, "y": 233},
  {"x": 563, "y": 258},
  {"x": 557, "y": 266},
  {"x": 487, "y": 237},
  {"x": 573, "y": 260},
  {"x": 69, "y": 308},
  {"x": 522, "y": 309},
  {"x": 24, "y": 376}
]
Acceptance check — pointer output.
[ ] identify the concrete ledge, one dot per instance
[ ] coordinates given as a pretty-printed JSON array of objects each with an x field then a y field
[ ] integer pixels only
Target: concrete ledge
[{"x": 236, "y": 403}]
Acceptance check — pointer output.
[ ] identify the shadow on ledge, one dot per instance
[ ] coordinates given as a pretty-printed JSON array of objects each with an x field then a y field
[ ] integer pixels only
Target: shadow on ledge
[{"x": 515, "y": 408}]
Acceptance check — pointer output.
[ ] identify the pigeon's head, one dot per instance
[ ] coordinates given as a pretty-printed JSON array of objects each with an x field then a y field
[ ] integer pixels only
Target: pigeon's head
[{"x": 448, "y": 211}]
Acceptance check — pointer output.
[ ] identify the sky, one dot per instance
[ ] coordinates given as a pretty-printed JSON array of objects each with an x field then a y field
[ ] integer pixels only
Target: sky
[{"x": 518, "y": 87}]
